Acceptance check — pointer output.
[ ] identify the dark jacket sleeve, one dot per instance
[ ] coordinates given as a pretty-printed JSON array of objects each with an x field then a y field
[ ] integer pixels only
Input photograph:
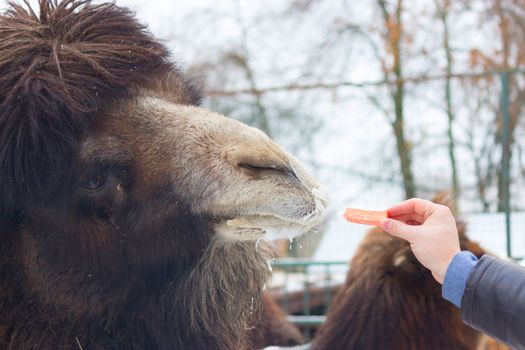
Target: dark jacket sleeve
[{"x": 494, "y": 300}]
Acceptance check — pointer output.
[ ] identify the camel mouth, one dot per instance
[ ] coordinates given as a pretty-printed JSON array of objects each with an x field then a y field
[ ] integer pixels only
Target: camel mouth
[{"x": 274, "y": 225}]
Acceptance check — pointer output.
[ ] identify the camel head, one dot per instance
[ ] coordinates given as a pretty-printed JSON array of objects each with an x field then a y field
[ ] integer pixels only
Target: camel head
[
  {"x": 152, "y": 162},
  {"x": 104, "y": 145}
]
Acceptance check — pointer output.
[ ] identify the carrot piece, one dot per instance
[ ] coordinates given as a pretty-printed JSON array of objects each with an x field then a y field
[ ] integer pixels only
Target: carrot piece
[{"x": 365, "y": 217}]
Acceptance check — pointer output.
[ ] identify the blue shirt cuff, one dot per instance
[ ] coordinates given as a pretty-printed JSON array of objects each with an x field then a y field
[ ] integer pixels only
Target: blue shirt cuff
[{"x": 457, "y": 275}]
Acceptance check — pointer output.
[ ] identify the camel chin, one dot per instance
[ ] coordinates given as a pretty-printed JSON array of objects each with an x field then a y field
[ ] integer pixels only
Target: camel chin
[{"x": 272, "y": 226}]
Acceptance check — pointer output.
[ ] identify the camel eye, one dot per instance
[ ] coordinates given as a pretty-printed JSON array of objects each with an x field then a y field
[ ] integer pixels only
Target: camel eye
[{"x": 95, "y": 182}]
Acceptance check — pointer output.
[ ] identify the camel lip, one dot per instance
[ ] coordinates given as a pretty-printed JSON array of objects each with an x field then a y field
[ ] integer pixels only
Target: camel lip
[
  {"x": 270, "y": 226},
  {"x": 274, "y": 220},
  {"x": 266, "y": 227},
  {"x": 254, "y": 224}
]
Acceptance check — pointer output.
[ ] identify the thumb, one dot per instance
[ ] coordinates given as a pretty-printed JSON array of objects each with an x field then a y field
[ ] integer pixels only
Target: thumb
[{"x": 397, "y": 228}]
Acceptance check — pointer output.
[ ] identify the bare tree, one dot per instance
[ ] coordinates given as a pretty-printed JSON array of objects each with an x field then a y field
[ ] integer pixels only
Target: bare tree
[
  {"x": 392, "y": 67},
  {"x": 510, "y": 53},
  {"x": 512, "y": 32},
  {"x": 442, "y": 13},
  {"x": 479, "y": 142}
]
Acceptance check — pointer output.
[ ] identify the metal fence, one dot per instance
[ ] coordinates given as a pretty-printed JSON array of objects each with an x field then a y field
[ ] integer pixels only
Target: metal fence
[
  {"x": 305, "y": 289},
  {"x": 504, "y": 78}
]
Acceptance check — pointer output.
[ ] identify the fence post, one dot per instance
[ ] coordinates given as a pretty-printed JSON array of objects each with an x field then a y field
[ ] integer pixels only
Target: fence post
[{"x": 505, "y": 159}]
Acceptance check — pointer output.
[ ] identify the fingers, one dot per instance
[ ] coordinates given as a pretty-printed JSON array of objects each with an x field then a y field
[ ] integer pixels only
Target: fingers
[
  {"x": 409, "y": 218},
  {"x": 398, "y": 229},
  {"x": 416, "y": 206}
]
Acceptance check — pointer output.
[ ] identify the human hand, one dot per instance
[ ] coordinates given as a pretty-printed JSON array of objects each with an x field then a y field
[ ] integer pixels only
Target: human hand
[{"x": 430, "y": 229}]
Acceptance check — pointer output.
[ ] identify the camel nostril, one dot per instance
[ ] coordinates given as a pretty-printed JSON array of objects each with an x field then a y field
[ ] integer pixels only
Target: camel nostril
[
  {"x": 259, "y": 169},
  {"x": 260, "y": 161}
]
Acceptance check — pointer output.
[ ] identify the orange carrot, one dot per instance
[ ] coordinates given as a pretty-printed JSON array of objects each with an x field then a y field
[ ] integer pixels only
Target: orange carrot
[{"x": 365, "y": 217}]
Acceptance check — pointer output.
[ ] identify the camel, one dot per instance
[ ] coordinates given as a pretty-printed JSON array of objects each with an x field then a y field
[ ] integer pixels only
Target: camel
[
  {"x": 129, "y": 215},
  {"x": 390, "y": 301}
]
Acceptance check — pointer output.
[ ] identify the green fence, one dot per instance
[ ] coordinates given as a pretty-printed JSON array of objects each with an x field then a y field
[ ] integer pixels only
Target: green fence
[{"x": 305, "y": 290}]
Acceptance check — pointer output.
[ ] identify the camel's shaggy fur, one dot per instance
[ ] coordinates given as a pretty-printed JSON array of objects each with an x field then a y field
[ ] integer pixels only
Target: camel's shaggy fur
[
  {"x": 57, "y": 68},
  {"x": 120, "y": 199}
]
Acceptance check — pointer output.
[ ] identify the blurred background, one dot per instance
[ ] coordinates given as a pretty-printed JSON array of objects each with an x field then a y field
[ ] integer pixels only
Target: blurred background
[{"x": 383, "y": 100}]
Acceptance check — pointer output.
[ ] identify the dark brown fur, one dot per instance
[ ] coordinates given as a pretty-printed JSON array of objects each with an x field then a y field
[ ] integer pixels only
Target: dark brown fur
[
  {"x": 57, "y": 69},
  {"x": 134, "y": 265},
  {"x": 390, "y": 301}
]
